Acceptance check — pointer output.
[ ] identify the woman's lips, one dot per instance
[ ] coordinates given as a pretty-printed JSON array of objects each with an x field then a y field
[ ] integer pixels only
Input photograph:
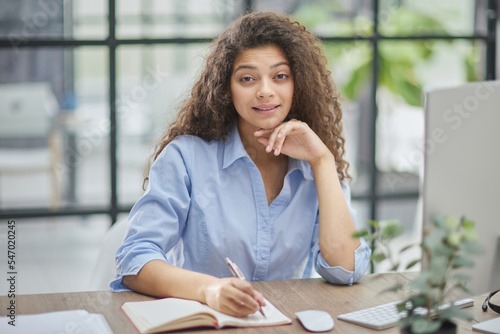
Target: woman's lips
[{"x": 265, "y": 109}]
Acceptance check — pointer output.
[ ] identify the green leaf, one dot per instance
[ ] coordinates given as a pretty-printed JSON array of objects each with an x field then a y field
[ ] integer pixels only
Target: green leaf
[
  {"x": 412, "y": 264},
  {"x": 440, "y": 250},
  {"x": 370, "y": 237},
  {"x": 401, "y": 306},
  {"x": 405, "y": 248},
  {"x": 359, "y": 77},
  {"x": 454, "y": 239},
  {"x": 438, "y": 269},
  {"x": 391, "y": 230},
  {"x": 470, "y": 235},
  {"x": 421, "y": 283},
  {"x": 451, "y": 223},
  {"x": 471, "y": 247},
  {"x": 462, "y": 261},
  {"x": 395, "y": 267},
  {"x": 434, "y": 239},
  {"x": 438, "y": 220},
  {"x": 378, "y": 257},
  {"x": 360, "y": 234},
  {"x": 373, "y": 223},
  {"x": 418, "y": 301},
  {"x": 468, "y": 224}
]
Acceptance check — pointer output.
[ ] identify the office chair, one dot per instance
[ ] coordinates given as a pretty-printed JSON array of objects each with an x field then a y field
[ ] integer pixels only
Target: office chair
[{"x": 104, "y": 268}]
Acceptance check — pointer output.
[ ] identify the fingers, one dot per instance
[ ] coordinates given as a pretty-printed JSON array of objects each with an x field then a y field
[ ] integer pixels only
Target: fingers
[
  {"x": 259, "y": 298},
  {"x": 244, "y": 296},
  {"x": 235, "y": 297},
  {"x": 247, "y": 288},
  {"x": 294, "y": 139},
  {"x": 277, "y": 136},
  {"x": 276, "y": 140}
]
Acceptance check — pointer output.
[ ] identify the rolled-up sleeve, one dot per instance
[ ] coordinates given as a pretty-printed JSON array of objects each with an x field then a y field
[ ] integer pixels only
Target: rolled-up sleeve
[
  {"x": 158, "y": 218},
  {"x": 337, "y": 274}
]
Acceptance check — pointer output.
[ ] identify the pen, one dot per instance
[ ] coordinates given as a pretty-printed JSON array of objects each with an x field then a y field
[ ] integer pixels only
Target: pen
[{"x": 237, "y": 273}]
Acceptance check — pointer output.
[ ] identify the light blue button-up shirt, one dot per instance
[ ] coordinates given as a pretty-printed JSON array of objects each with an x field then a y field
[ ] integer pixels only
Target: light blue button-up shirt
[{"x": 206, "y": 201}]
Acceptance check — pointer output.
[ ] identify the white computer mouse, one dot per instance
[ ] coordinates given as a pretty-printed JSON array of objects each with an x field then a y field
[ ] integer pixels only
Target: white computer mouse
[{"x": 315, "y": 321}]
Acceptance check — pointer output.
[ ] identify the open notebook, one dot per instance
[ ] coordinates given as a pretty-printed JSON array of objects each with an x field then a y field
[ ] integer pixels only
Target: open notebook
[{"x": 168, "y": 314}]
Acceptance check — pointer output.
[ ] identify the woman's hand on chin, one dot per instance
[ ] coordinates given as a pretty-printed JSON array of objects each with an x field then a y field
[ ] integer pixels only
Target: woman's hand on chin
[{"x": 294, "y": 139}]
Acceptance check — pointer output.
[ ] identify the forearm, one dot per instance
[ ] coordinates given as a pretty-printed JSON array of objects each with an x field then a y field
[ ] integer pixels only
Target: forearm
[
  {"x": 161, "y": 279},
  {"x": 336, "y": 225},
  {"x": 231, "y": 295}
]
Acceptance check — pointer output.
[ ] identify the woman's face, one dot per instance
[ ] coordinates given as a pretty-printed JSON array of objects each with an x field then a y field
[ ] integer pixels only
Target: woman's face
[{"x": 261, "y": 88}]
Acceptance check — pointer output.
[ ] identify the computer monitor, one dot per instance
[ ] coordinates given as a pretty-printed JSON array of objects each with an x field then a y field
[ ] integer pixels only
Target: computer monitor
[{"x": 462, "y": 167}]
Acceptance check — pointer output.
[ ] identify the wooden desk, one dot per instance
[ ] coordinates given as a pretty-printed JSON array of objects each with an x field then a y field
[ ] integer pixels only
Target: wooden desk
[{"x": 289, "y": 296}]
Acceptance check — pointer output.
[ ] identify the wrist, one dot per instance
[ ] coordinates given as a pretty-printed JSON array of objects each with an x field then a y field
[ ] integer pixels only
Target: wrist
[
  {"x": 327, "y": 160},
  {"x": 205, "y": 288}
]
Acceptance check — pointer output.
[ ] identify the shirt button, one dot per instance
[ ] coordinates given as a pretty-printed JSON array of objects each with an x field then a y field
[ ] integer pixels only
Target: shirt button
[
  {"x": 263, "y": 256},
  {"x": 264, "y": 225}
]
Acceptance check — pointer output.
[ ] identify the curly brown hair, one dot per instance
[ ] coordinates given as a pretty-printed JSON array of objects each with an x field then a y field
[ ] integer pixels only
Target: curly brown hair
[{"x": 315, "y": 101}]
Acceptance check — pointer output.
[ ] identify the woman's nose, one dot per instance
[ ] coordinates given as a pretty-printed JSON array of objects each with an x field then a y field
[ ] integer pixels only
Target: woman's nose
[{"x": 265, "y": 89}]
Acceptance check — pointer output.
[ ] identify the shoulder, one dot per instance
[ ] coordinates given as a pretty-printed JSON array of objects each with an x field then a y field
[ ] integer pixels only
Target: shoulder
[
  {"x": 187, "y": 147},
  {"x": 188, "y": 143}
]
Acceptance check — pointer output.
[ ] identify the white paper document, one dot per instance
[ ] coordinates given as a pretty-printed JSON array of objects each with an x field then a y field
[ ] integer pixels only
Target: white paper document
[
  {"x": 488, "y": 326},
  {"x": 74, "y": 321}
]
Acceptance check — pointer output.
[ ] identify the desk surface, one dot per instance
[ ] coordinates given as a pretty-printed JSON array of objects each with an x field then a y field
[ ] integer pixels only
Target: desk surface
[{"x": 289, "y": 296}]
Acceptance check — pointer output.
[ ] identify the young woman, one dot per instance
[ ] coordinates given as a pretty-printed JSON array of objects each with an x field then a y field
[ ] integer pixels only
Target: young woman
[{"x": 252, "y": 169}]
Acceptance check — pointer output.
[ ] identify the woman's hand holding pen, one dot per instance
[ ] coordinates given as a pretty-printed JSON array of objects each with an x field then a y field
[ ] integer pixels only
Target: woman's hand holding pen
[
  {"x": 233, "y": 296},
  {"x": 294, "y": 139}
]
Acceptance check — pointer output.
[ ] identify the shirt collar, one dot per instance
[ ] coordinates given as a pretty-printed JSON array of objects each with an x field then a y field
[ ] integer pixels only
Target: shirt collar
[
  {"x": 302, "y": 166},
  {"x": 234, "y": 150},
  {"x": 233, "y": 147}
]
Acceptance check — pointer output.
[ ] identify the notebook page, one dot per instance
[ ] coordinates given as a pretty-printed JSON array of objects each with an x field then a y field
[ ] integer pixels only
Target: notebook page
[
  {"x": 273, "y": 317},
  {"x": 159, "y": 312}
]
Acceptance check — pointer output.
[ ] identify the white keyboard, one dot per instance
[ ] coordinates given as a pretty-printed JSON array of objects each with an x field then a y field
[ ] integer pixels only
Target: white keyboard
[{"x": 386, "y": 315}]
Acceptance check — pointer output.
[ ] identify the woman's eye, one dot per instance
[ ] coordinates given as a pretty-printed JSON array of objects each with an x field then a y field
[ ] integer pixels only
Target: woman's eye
[
  {"x": 281, "y": 76},
  {"x": 246, "y": 79}
]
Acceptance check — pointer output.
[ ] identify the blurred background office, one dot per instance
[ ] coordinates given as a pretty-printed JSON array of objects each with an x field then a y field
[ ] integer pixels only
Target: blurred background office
[{"x": 87, "y": 85}]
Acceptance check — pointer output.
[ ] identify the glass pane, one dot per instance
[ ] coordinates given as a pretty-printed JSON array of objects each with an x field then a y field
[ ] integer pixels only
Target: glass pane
[
  {"x": 90, "y": 19},
  {"x": 176, "y": 18},
  {"x": 151, "y": 82},
  {"x": 329, "y": 18},
  {"x": 54, "y": 130},
  {"x": 56, "y": 254},
  {"x": 426, "y": 17},
  {"x": 24, "y": 20},
  {"x": 407, "y": 212},
  {"x": 27, "y": 19},
  {"x": 92, "y": 171},
  {"x": 362, "y": 209},
  {"x": 407, "y": 68},
  {"x": 350, "y": 64}
]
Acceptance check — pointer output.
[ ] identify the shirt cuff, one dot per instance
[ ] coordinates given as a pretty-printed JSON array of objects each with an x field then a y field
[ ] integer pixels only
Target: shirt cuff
[
  {"x": 339, "y": 275},
  {"x": 138, "y": 262}
]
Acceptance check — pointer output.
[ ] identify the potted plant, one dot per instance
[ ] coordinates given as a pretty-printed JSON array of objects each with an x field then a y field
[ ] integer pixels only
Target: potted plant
[{"x": 447, "y": 247}]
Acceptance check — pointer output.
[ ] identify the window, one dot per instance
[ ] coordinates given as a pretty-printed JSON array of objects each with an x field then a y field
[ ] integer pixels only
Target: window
[{"x": 117, "y": 69}]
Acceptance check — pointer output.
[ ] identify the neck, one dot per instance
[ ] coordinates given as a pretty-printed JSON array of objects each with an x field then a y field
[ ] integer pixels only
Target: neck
[{"x": 256, "y": 150}]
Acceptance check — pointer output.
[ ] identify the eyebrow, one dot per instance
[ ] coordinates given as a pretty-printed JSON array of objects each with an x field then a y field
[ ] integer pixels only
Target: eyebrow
[{"x": 250, "y": 67}]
